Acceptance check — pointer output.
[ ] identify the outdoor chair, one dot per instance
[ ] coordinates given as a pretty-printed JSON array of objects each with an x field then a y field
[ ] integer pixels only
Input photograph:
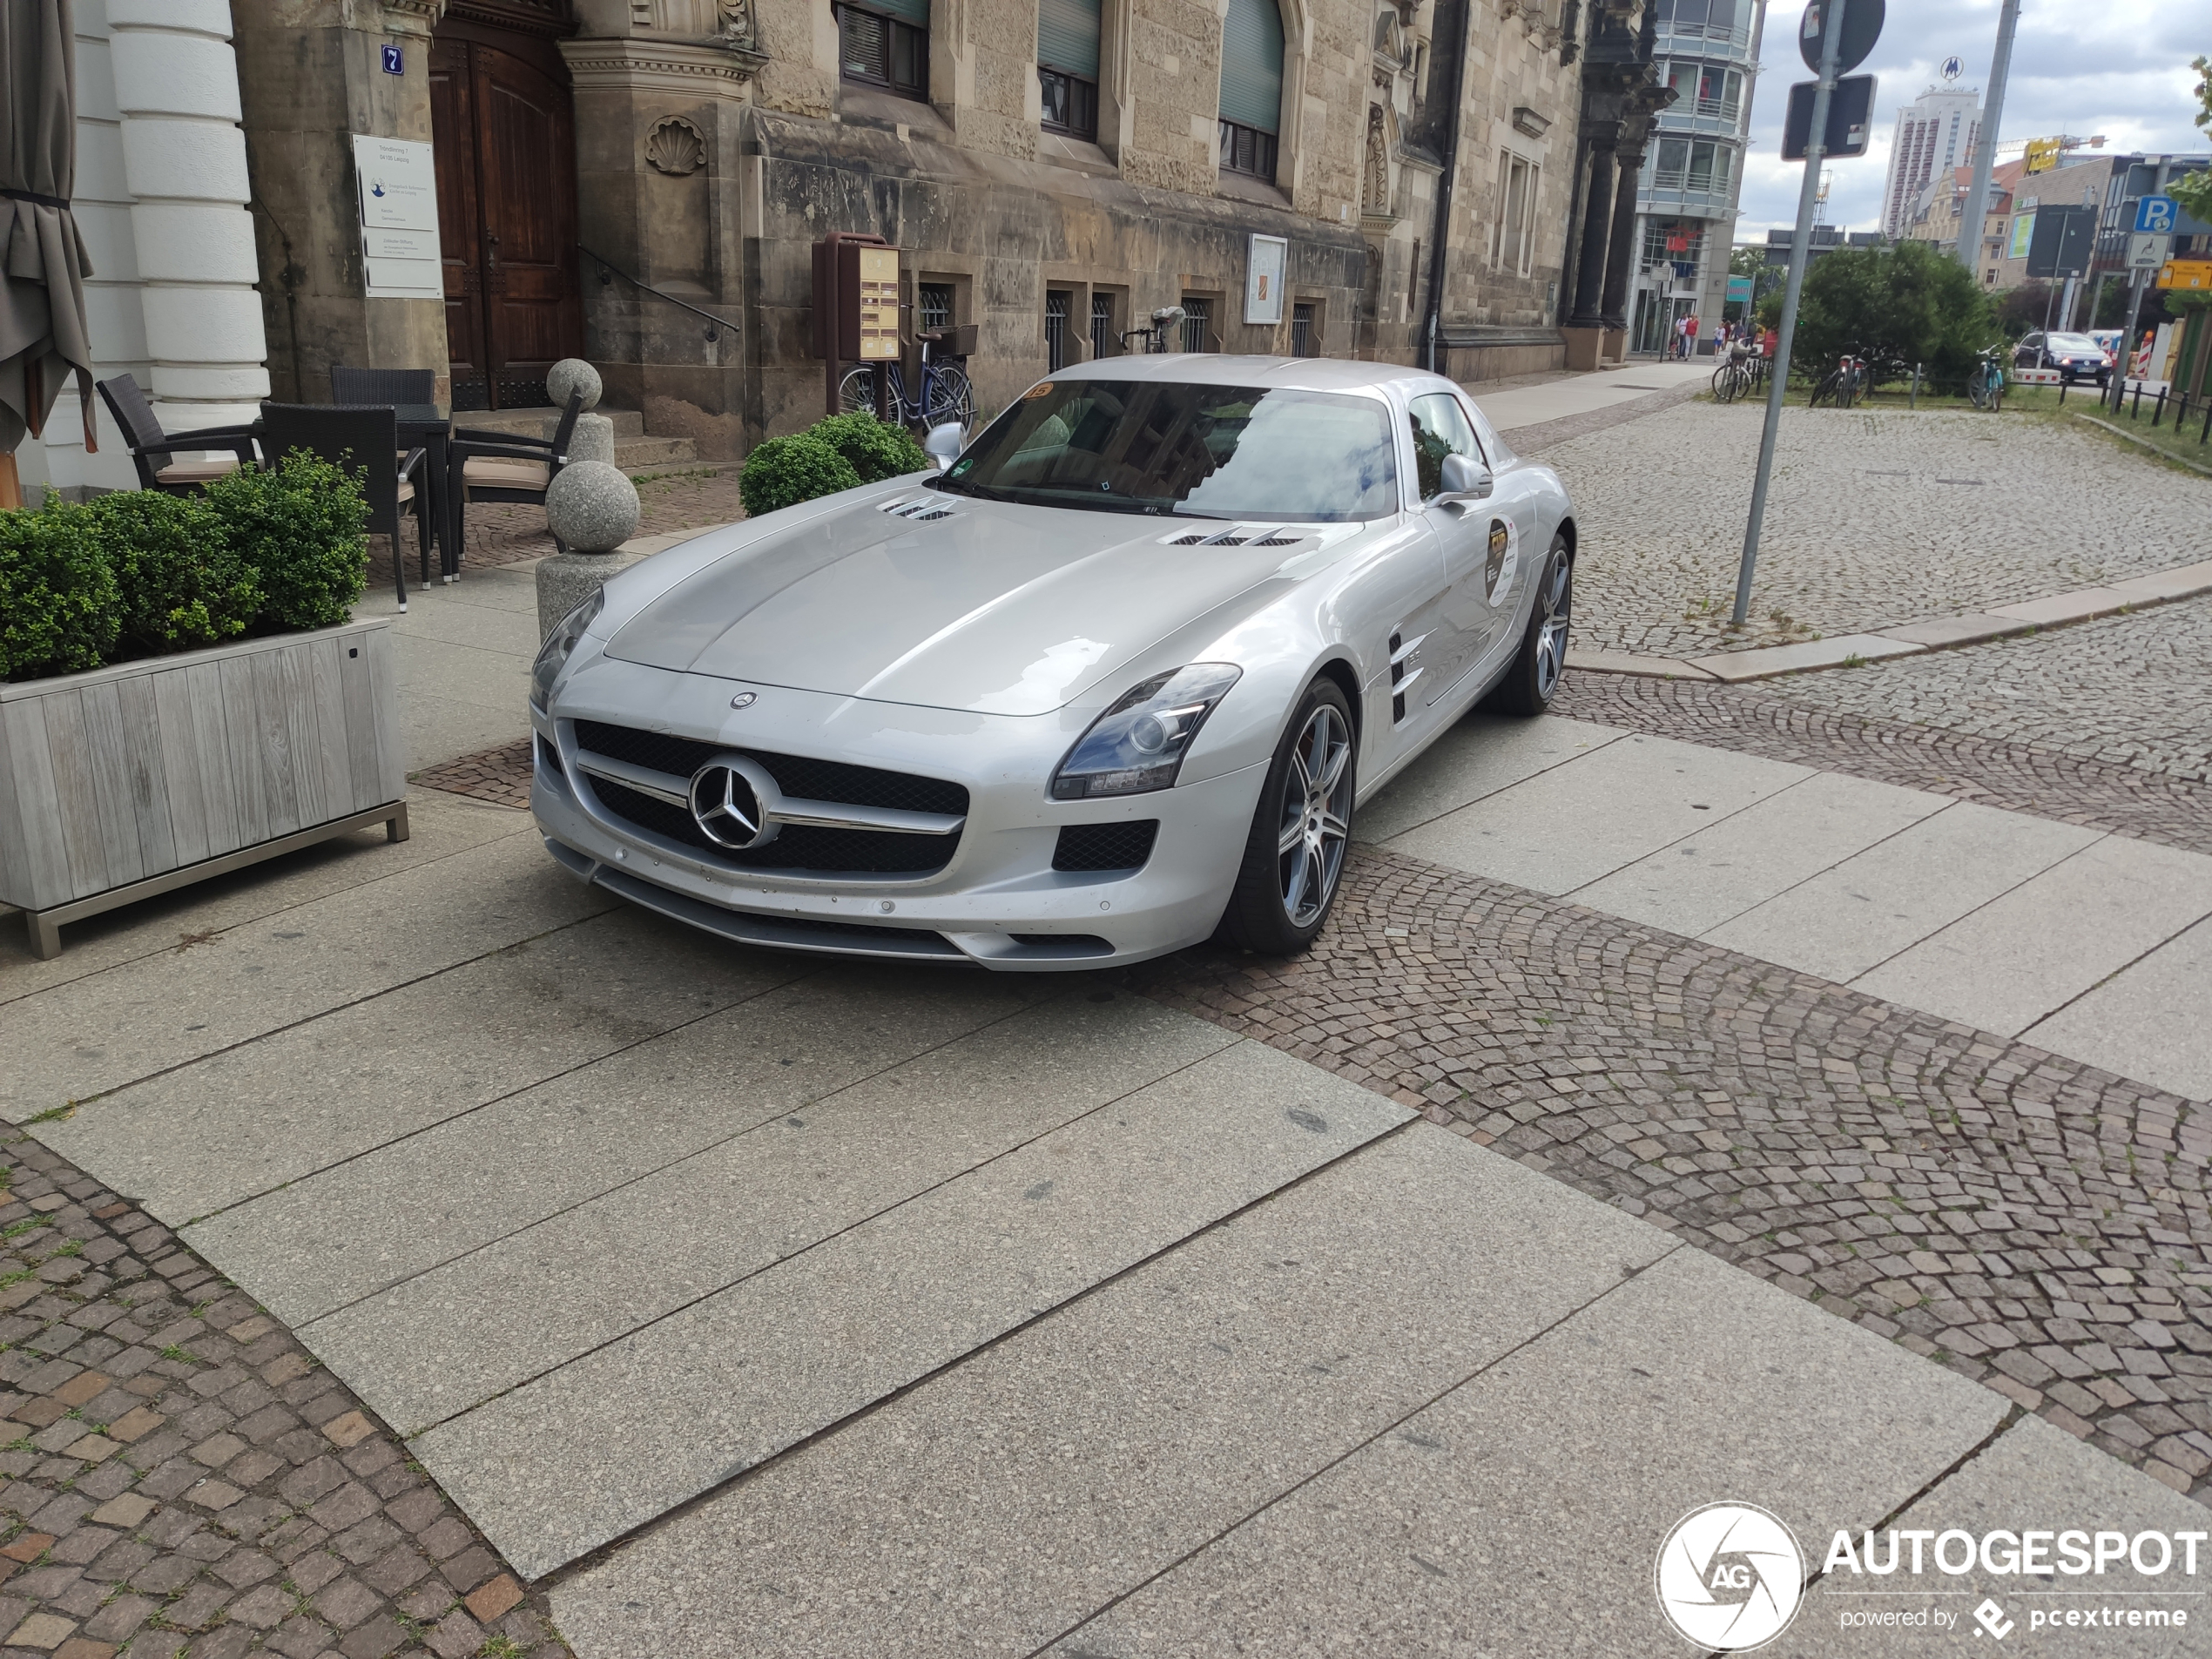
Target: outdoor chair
[
  {"x": 382, "y": 385},
  {"x": 153, "y": 451},
  {"x": 504, "y": 466},
  {"x": 363, "y": 439}
]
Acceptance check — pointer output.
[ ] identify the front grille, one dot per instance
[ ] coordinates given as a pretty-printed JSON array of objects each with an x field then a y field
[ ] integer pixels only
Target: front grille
[
  {"x": 799, "y": 848},
  {"x": 798, "y": 776},
  {"x": 1121, "y": 845}
]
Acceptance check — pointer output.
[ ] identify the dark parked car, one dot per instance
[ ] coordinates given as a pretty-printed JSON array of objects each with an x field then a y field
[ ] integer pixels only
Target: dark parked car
[{"x": 2076, "y": 357}]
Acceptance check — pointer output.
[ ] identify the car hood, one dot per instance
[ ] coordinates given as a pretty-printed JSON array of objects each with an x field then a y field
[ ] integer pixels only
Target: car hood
[{"x": 993, "y": 608}]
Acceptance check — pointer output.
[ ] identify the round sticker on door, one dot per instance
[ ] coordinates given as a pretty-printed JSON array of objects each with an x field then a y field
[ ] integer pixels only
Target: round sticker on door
[{"x": 1497, "y": 570}]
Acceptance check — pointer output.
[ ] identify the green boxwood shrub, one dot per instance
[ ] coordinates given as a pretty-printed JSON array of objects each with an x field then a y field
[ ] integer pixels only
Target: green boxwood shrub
[
  {"x": 60, "y": 609},
  {"x": 183, "y": 585},
  {"x": 302, "y": 527},
  {"x": 877, "y": 449},
  {"x": 785, "y": 471}
]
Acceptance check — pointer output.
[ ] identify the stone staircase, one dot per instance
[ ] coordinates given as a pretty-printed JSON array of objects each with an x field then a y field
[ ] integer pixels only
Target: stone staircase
[{"x": 634, "y": 450}]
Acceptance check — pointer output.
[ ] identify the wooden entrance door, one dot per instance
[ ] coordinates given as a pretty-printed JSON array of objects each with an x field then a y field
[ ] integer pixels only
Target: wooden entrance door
[{"x": 505, "y": 142}]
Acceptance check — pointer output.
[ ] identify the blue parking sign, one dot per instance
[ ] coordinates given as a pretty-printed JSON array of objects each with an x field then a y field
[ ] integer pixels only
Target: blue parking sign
[{"x": 2154, "y": 216}]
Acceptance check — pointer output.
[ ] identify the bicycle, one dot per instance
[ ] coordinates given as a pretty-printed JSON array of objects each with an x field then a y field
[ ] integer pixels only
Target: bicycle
[
  {"x": 1985, "y": 386},
  {"x": 945, "y": 394},
  {"x": 1843, "y": 385},
  {"x": 1734, "y": 378}
]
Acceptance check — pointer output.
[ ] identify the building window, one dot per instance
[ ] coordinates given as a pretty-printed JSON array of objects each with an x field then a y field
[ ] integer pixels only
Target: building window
[
  {"x": 1105, "y": 340},
  {"x": 1055, "y": 331},
  {"x": 1252, "y": 87},
  {"x": 1512, "y": 244},
  {"x": 887, "y": 45},
  {"x": 934, "y": 306},
  {"x": 1301, "y": 328},
  {"x": 1197, "y": 318},
  {"x": 1067, "y": 65}
]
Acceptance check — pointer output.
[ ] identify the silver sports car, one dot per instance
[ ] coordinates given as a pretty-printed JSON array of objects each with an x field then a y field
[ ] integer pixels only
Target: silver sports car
[{"x": 1112, "y": 681}]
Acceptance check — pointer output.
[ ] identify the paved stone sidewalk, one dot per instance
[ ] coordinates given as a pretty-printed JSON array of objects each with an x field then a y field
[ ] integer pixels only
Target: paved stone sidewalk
[
  {"x": 2033, "y": 1223},
  {"x": 2131, "y": 691},
  {"x": 1776, "y": 722},
  {"x": 184, "y": 1475},
  {"x": 1876, "y": 518}
]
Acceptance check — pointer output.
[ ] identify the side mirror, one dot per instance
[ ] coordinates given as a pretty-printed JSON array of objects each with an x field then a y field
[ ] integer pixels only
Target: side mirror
[
  {"x": 1465, "y": 479},
  {"x": 943, "y": 444}
]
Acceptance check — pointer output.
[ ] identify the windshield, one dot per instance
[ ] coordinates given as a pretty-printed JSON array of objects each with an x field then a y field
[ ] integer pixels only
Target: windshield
[
  {"x": 1197, "y": 451},
  {"x": 2074, "y": 342}
]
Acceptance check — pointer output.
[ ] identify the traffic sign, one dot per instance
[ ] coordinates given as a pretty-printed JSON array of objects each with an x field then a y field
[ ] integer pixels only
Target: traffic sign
[
  {"x": 2149, "y": 252},
  {"x": 1862, "y": 28},
  {"x": 1851, "y": 108},
  {"x": 2189, "y": 275},
  {"x": 2154, "y": 216}
]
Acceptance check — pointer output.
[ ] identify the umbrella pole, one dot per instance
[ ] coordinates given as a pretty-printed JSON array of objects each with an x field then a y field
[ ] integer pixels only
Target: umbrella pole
[{"x": 10, "y": 482}]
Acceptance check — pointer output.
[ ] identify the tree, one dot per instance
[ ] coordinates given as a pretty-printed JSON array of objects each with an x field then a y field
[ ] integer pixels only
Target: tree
[
  {"x": 2194, "y": 191},
  {"x": 1895, "y": 306}
]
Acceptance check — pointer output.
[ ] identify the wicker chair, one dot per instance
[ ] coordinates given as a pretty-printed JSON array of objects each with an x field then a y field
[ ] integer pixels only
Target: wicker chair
[
  {"x": 153, "y": 451},
  {"x": 382, "y": 385},
  {"x": 363, "y": 439},
  {"x": 504, "y": 466}
]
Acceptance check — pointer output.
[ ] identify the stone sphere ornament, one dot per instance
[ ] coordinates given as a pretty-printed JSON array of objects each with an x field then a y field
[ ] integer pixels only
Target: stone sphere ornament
[
  {"x": 572, "y": 374},
  {"x": 592, "y": 507}
]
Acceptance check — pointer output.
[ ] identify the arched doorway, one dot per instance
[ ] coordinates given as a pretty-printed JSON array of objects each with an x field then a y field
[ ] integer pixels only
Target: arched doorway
[{"x": 505, "y": 135}]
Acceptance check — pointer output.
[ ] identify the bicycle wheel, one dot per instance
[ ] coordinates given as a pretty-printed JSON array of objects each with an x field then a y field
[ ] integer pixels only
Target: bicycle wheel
[
  {"x": 1978, "y": 390},
  {"x": 1831, "y": 383},
  {"x": 1997, "y": 394},
  {"x": 1725, "y": 384},
  {"x": 950, "y": 398},
  {"x": 856, "y": 391}
]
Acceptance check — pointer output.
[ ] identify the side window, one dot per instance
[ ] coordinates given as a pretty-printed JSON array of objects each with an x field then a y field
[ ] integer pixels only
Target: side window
[{"x": 1441, "y": 428}]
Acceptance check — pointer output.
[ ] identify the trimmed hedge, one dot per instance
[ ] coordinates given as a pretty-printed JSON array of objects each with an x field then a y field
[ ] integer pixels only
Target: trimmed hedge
[
  {"x": 839, "y": 452},
  {"x": 141, "y": 573},
  {"x": 785, "y": 471}
]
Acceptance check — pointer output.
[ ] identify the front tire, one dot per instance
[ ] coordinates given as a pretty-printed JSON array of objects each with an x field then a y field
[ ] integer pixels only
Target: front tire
[
  {"x": 1530, "y": 684},
  {"x": 1301, "y": 830}
]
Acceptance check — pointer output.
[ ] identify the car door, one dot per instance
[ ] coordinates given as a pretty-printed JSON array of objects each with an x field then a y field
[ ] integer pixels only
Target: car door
[{"x": 1462, "y": 531}]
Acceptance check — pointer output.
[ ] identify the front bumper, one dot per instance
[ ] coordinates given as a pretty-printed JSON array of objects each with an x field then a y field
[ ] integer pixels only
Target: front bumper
[{"x": 998, "y": 902}]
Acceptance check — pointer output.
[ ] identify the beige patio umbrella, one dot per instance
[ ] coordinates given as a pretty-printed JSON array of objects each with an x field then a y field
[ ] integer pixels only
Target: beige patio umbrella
[{"x": 42, "y": 263}]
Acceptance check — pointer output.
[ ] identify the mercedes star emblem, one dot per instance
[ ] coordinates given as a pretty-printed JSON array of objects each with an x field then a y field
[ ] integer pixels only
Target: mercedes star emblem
[
  {"x": 726, "y": 807},
  {"x": 744, "y": 699}
]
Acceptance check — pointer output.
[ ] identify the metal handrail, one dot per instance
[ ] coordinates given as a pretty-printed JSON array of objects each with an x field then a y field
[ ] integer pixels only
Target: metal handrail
[{"x": 609, "y": 270}]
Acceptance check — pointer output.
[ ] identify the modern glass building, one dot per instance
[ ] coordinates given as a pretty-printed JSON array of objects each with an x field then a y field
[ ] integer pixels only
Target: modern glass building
[{"x": 1708, "y": 52}]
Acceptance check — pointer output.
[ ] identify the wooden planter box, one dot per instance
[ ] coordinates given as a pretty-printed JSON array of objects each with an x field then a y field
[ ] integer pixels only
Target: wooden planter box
[{"x": 129, "y": 781}]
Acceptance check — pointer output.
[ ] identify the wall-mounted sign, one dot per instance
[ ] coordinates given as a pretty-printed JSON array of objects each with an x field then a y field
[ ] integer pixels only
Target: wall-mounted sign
[
  {"x": 395, "y": 62},
  {"x": 2023, "y": 237},
  {"x": 398, "y": 185},
  {"x": 1264, "y": 269}
]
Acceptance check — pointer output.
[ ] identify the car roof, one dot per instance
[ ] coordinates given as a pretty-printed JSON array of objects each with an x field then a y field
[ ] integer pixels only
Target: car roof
[{"x": 1289, "y": 374}]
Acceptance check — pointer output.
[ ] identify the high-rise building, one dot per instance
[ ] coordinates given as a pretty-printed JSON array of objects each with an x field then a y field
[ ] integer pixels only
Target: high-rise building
[{"x": 1935, "y": 133}]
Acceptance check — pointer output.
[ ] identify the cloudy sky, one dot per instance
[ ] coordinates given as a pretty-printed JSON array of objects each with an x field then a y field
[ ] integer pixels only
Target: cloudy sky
[{"x": 2118, "y": 67}]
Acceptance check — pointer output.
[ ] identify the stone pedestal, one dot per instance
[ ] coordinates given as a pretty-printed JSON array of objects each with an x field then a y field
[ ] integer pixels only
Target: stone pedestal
[
  {"x": 1615, "y": 346},
  {"x": 566, "y": 580},
  {"x": 592, "y": 440},
  {"x": 1585, "y": 347}
]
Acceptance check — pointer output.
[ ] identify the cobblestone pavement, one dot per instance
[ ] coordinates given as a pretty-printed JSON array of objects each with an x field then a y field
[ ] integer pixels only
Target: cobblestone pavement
[
  {"x": 1875, "y": 518},
  {"x": 2130, "y": 691},
  {"x": 2022, "y": 777},
  {"x": 184, "y": 1476},
  {"x": 501, "y": 775},
  {"x": 2030, "y": 1222},
  {"x": 1542, "y": 437}
]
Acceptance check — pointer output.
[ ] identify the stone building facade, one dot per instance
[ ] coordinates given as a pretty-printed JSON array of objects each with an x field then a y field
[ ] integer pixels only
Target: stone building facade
[{"x": 641, "y": 182}]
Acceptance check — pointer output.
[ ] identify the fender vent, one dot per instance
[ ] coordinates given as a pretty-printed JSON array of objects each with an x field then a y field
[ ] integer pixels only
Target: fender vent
[{"x": 1404, "y": 657}]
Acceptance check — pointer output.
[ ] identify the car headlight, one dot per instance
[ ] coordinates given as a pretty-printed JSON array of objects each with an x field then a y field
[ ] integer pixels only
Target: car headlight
[
  {"x": 1139, "y": 745},
  {"x": 560, "y": 645}
]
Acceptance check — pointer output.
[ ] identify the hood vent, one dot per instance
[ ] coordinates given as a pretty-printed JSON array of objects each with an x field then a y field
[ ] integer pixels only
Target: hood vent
[
  {"x": 925, "y": 509},
  {"x": 1242, "y": 535}
]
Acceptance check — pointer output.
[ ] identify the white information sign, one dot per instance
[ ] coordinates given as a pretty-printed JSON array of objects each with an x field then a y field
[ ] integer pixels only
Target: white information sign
[
  {"x": 1264, "y": 280},
  {"x": 2149, "y": 252},
  {"x": 397, "y": 183}
]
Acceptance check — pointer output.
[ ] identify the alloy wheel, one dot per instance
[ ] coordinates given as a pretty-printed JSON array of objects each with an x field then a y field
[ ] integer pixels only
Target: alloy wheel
[
  {"x": 1554, "y": 606},
  {"x": 1316, "y": 817}
]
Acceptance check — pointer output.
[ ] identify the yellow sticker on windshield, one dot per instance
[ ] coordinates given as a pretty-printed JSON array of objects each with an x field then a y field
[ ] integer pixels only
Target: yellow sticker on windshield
[{"x": 1043, "y": 388}]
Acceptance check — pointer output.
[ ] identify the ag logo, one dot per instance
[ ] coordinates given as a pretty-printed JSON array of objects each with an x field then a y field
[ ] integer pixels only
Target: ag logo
[
  {"x": 1730, "y": 1577},
  {"x": 1497, "y": 571}
]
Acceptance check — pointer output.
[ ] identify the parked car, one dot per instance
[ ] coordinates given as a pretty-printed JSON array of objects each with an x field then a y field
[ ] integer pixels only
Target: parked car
[
  {"x": 1116, "y": 678},
  {"x": 2076, "y": 357}
]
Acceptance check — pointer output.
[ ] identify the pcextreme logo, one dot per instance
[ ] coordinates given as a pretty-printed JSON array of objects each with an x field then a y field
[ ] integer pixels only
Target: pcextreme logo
[{"x": 1730, "y": 1577}]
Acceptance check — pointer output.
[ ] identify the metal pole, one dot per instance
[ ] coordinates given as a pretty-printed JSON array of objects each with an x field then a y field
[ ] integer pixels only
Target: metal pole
[
  {"x": 1971, "y": 223},
  {"x": 1832, "y": 34},
  {"x": 2127, "y": 339}
]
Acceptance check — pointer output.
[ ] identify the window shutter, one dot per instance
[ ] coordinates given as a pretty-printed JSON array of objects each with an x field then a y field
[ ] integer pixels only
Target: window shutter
[
  {"x": 910, "y": 11},
  {"x": 1251, "y": 65},
  {"x": 1067, "y": 36}
]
